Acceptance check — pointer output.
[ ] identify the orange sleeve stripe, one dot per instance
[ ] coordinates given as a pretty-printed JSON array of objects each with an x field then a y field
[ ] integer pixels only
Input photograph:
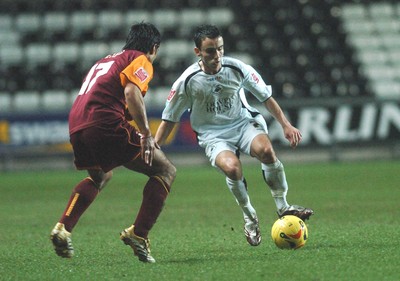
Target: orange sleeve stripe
[
  {"x": 138, "y": 72},
  {"x": 72, "y": 205}
]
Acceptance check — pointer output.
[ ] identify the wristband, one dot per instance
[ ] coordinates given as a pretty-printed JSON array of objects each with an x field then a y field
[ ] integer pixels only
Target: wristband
[{"x": 142, "y": 137}]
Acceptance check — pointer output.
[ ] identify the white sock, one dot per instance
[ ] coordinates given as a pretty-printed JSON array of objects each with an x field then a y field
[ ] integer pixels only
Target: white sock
[
  {"x": 238, "y": 189},
  {"x": 274, "y": 176}
]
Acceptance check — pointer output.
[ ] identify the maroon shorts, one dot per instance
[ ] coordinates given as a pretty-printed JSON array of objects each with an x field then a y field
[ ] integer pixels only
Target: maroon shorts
[{"x": 105, "y": 147}]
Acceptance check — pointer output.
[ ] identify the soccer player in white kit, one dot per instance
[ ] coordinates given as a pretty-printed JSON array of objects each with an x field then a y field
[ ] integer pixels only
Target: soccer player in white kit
[{"x": 212, "y": 90}]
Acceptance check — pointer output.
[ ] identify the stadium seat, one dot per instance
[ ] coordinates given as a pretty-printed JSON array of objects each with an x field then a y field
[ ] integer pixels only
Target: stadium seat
[
  {"x": 5, "y": 102},
  {"x": 328, "y": 43},
  {"x": 381, "y": 10},
  {"x": 167, "y": 21},
  {"x": 364, "y": 41},
  {"x": 377, "y": 33},
  {"x": 360, "y": 27},
  {"x": 379, "y": 72},
  {"x": 394, "y": 57},
  {"x": 386, "y": 89},
  {"x": 72, "y": 95},
  {"x": 177, "y": 49},
  {"x": 135, "y": 16},
  {"x": 9, "y": 37},
  {"x": 387, "y": 26},
  {"x": 38, "y": 54},
  {"x": 243, "y": 56},
  {"x": 271, "y": 46},
  {"x": 55, "y": 100},
  {"x": 390, "y": 41},
  {"x": 55, "y": 24},
  {"x": 188, "y": 19},
  {"x": 27, "y": 100},
  {"x": 221, "y": 17},
  {"x": 280, "y": 60},
  {"x": 165, "y": 18},
  {"x": 354, "y": 11},
  {"x": 28, "y": 23},
  {"x": 64, "y": 53},
  {"x": 6, "y": 22},
  {"x": 11, "y": 55},
  {"x": 191, "y": 17},
  {"x": 320, "y": 89},
  {"x": 109, "y": 25},
  {"x": 373, "y": 57},
  {"x": 83, "y": 24},
  {"x": 345, "y": 89},
  {"x": 91, "y": 52},
  {"x": 116, "y": 46}
]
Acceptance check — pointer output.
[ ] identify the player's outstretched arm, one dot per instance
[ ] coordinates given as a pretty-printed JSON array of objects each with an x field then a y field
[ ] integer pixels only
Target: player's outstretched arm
[
  {"x": 292, "y": 134},
  {"x": 137, "y": 110},
  {"x": 163, "y": 131}
]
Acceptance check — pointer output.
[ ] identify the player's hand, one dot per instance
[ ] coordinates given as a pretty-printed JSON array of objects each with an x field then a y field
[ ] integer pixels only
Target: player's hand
[
  {"x": 147, "y": 149},
  {"x": 293, "y": 135}
]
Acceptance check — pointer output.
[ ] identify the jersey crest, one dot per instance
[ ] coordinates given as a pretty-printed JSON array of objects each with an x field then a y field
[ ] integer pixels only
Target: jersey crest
[{"x": 217, "y": 89}]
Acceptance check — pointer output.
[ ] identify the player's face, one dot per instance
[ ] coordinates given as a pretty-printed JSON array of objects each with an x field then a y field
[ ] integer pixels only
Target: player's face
[{"x": 210, "y": 53}]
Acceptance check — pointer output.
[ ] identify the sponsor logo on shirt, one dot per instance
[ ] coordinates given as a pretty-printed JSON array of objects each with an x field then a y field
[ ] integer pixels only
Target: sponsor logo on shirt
[
  {"x": 255, "y": 78},
  {"x": 216, "y": 78},
  {"x": 171, "y": 95},
  {"x": 142, "y": 74},
  {"x": 219, "y": 106}
]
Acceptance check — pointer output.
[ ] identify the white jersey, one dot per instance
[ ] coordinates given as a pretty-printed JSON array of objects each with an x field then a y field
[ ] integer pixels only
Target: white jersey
[{"x": 214, "y": 100}]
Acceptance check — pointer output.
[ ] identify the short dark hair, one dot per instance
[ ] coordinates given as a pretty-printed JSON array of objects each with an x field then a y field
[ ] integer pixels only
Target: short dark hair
[
  {"x": 142, "y": 37},
  {"x": 205, "y": 31}
]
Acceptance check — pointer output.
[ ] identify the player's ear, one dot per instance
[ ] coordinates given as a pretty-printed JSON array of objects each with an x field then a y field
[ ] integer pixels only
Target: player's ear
[
  {"x": 154, "y": 49},
  {"x": 197, "y": 51}
]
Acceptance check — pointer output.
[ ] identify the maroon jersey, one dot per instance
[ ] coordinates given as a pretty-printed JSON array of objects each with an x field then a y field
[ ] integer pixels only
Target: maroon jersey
[{"x": 101, "y": 99}]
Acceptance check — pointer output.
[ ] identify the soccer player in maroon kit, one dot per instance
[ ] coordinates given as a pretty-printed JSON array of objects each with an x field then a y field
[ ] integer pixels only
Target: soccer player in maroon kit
[{"x": 103, "y": 139}]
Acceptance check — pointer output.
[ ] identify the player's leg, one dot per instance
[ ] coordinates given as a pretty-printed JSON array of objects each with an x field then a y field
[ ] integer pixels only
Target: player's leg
[
  {"x": 228, "y": 162},
  {"x": 82, "y": 196},
  {"x": 272, "y": 169},
  {"x": 88, "y": 146},
  {"x": 161, "y": 176},
  {"x": 230, "y": 165},
  {"x": 274, "y": 175}
]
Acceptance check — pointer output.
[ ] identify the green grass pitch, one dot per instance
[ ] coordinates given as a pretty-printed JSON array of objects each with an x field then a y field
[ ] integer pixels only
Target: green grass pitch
[{"x": 354, "y": 234}]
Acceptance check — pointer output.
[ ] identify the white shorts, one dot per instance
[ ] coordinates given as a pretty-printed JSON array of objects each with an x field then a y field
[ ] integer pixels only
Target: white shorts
[{"x": 235, "y": 139}]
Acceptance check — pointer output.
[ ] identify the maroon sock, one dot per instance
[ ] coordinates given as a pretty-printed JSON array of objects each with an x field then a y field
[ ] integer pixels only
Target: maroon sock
[
  {"x": 82, "y": 196},
  {"x": 154, "y": 194}
]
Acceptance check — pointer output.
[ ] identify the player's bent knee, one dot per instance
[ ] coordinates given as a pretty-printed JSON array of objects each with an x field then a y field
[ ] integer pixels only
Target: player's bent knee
[
  {"x": 232, "y": 170},
  {"x": 106, "y": 178},
  {"x": 166, "y": 170},
  {"x": 99, "y": 178},
  {"x": 171, "y": 172},
  {"x": 165, "y": 165},
  {"x": 267, "y": 155}
]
